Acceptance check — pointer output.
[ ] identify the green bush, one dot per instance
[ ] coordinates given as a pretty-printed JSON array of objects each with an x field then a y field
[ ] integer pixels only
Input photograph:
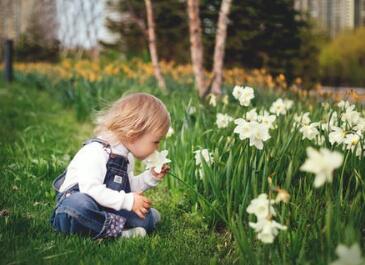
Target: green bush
[{"x": 342, "y": 61}]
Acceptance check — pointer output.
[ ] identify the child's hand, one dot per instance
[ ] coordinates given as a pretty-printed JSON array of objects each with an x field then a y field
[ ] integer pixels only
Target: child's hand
[
  {"x": 165, "y": 169},
  {"x": 141, "y": 204}
]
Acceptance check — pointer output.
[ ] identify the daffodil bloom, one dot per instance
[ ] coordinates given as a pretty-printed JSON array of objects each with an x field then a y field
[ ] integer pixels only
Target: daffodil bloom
[
  {"x": 302, "y": 119},
  {"x": 348, "y": 255},
  {"x": 351, "y": 116},
  {"x": 352, "y": 141},
  {"x": 325, "y": 105},
  {"x": 267, "y": 119},
  {"x": 223, "y": 120},
  {"x": 252, "y": 115},
  {"x": 360, "y": 126},
  {"x": 243, "y": 128},
  {"x": 278, "y": 107},
  {"x": 206, "y": 156},
  {"x": 157, "y": 160},
  {"x": 191, "y": 110},
  {"x": 256, "y": 132},
  {"x": 260, "y": 207},
  {"x": 213, "y": 100},
  {"x": 309, "y": 131},
  {"x": 288, "y": 104},
  {"x": 243, "y": 95},
  {"x": 344, "y": 104},
  {"x": 170, "y": 132},
  {"x": 267, "y": 229},
  {"x": 322, "y": 163},
  {"x": 225, "y": 100},
  {"x": 259, "y": 134},
  {"x": 337, "y": 135}
]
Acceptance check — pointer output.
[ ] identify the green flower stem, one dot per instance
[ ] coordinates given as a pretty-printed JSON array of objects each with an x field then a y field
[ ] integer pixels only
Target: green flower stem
[{"x": 201, "y": 196}]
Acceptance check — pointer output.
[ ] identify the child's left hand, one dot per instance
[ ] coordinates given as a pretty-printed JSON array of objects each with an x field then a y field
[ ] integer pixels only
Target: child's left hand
[{"x": 165, "y": 169}]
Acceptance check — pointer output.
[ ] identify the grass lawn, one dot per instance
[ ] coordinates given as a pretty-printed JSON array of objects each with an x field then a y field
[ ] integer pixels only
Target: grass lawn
[{"x": 38, "y": 138}]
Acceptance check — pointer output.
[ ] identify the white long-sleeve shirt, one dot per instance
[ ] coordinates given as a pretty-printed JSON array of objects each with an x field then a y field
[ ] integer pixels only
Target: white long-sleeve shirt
[{"x": 88, "y": 169}]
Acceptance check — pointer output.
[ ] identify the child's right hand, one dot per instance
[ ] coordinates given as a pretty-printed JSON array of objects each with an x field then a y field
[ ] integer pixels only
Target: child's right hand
[{"x": 141, "y": 204}]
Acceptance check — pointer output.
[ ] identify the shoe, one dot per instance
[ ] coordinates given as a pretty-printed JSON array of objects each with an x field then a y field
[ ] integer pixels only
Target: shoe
[
  {"x": 134, "y": 232},
  {"x": 156, "y": 215}
]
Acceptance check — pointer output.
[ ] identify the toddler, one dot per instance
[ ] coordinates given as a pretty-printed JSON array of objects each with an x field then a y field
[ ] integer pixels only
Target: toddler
[{"x": 98, "y": 195}]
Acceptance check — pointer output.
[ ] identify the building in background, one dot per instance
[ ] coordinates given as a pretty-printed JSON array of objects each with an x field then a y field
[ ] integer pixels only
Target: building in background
[
  {"x": 18, "y": 16},
  {"x": 359, "y": 13},
  {"x": 334, "y": 16},
  {"x": 75, "y": 23}
]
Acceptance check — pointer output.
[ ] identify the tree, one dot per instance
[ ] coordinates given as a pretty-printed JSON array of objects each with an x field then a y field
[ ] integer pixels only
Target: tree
[
  {"x": 127, "y": 19},
  {"x": 196, "y": 45},
  {"x": 261, "y": 34},
  {"x": 219, "y": 46},
  {"x": 152, "y": 45}
]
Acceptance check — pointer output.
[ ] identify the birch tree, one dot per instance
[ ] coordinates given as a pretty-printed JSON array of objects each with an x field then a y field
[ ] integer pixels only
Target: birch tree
[
  {"x": 152, "y": 45},
  {"x": 196, "y": 46},
  {"x": 220, "y": 40}
]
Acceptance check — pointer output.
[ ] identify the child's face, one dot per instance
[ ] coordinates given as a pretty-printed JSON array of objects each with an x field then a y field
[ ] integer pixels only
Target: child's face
[{"x": 145, "y": 145}]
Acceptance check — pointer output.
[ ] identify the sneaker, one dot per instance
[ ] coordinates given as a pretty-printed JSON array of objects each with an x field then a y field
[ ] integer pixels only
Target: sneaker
[
  {"x": 134, "y": 232},
  {"x": 156, "y": 215}
]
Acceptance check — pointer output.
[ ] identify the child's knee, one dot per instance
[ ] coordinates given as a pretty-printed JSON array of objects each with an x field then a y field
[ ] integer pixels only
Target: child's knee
[
  {"x": 78, "y": 213},
  {"x": 149, "y": 222}
]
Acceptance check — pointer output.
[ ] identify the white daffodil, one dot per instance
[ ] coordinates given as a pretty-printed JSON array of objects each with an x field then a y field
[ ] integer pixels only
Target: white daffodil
[
  {"x": 206, "y": 156},
  {"x": 223, "y": 120},
  {"x": 191, "y": 110},
  {"x": 348, "y": 255},
  {"x": 243, "y": 128},
  {"x": 351, "y": 141},
  {"x": 323, "y": 126},
  {"x": 325, "y": 105},
  {"x": 256, "y": 132},
  {"x": 170, "y": 132},
  {"x": 333, "y": 119},
  {"x": 267, "y": 119},
  {"x": 225, "y": 100},
  {"x": 343, "y": 104},
  {"x": 278, "y": 107},
  {"x": 237, "y": 92},
  {"x": 212, "y": 100},
  {"x": 351, "y": 116},
  {"x": 288, "y": 104},
  {"x": 244, "y": 95},
  {"x": 251, "y": 115},
  {"x": 310, "y": 131},
  {"x": 259, "y": 134},
  {"x": 157, "y": 160},
  {"x": 260, "y": 207},
  {"x": 267, "y": 229},
  {"x": 360, "y": 126},
  {"x": 322, "y": 163},
  {"x": 337, "y": 135},
  {"x": 302, "y": 119}
]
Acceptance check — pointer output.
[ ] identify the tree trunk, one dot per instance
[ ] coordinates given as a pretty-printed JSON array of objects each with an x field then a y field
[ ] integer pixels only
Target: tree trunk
[
  {"x": 152, "y": 45},
  {"x": 220, "y": 40},
  {"x": 196, "y": 45}
]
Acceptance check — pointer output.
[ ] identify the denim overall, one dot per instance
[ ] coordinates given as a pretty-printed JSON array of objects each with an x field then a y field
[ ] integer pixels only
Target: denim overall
[{"x": 78, "y": 213}]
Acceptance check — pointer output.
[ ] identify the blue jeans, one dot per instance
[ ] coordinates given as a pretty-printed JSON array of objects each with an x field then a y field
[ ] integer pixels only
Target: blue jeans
[{"x": 78, "y": 213}]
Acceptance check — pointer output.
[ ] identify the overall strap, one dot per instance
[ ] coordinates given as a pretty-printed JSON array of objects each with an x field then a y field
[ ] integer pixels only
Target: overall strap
[
  {"x": 61, "y": 178},
  {"x": 100, "y": 141}
]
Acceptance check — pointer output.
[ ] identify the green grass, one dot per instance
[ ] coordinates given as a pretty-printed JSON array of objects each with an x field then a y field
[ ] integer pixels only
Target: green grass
[
  {"x": 317, "y": 219},
  {"x": 38, "y": 138}
]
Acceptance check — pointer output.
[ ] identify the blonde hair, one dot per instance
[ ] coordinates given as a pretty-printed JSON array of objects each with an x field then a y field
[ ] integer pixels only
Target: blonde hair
[{"x": 133, "y": 115}]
